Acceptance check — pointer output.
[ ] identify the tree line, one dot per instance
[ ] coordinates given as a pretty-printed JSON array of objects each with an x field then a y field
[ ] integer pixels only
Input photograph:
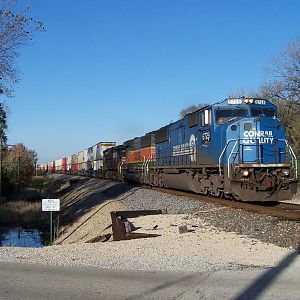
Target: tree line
[
  {"x": 16, "y": 30},
  {"x": 17, "y": 161}
]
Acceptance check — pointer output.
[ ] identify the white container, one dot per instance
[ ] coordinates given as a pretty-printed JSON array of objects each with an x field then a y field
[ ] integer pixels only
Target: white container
[{"x": 69, "y": 162}]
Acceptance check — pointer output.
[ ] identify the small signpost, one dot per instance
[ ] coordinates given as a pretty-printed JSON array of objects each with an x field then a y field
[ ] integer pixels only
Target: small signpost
[{"x": 51, "y": 205}]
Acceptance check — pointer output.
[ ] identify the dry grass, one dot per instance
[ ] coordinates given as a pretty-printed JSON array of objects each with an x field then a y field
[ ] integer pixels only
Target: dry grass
[
  {"x": 39, "y": 182},
  {"x": 22, "y": 212}
]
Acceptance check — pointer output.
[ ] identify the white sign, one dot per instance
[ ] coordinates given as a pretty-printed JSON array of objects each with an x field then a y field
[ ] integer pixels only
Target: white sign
[{"x": 50, "y": 205}]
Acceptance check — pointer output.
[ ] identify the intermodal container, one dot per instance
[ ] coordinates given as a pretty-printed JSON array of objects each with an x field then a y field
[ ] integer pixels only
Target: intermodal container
[
  {"x": 64, "y": 165},
  {"x": 74, "y": 163}
]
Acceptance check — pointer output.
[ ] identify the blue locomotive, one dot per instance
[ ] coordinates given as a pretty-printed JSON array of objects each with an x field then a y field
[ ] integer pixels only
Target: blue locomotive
[{"x": 236, "y": 148}]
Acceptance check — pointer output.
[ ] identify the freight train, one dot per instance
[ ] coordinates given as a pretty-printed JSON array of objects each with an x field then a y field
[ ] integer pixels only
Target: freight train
[{"x": 236, "y": 148}]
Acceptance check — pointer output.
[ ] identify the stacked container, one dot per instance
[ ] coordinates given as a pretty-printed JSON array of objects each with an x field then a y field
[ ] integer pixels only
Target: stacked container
[
  {"x": 98, "y": 150},
  {"x": 51, "y": 166},
  {"x": 85, "y": 162},
  {"x": 69, "y": 165},
  {"x": 89, "y": 163},
  {"x": 80, "y": 162},
  {"x": 74, "y": 163},
  {"x": 58, "y": 166},
  {"x": 64, "y": 165}
]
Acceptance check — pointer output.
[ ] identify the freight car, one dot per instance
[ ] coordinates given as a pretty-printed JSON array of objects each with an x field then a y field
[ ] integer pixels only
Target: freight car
[
  {"x": 236, "y": 148},
  {"x": 88, "y": 162}
]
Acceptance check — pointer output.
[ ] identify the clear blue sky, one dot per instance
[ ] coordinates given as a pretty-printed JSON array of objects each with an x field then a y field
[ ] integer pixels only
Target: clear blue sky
[{"x": 110, "y": 70}]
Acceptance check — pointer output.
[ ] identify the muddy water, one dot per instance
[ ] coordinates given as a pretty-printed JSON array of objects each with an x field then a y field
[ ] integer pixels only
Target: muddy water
[{"x": 22, "y": 237}]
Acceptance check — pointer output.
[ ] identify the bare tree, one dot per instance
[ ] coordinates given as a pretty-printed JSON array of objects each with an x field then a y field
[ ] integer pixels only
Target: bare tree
[
  {"x": 285, "y": 75},
  {"x": 283, "y": 88},
  {"x": 16, "y": 29},
  {"x": 237, "y": 93},
  {"x": 241, "y": 92},
  {"x": 3, "y": 124}
]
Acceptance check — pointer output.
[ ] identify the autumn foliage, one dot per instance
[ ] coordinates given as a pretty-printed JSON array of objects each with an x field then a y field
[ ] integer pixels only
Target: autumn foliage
[{"x": 18, "y": 165}]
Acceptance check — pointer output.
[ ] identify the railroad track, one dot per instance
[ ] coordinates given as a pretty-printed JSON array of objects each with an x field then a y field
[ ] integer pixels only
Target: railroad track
[{"x": 288, "y": 211}]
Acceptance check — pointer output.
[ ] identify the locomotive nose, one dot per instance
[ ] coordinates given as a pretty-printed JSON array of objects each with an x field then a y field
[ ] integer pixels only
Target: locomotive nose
[{"x": 262, "y": 140}]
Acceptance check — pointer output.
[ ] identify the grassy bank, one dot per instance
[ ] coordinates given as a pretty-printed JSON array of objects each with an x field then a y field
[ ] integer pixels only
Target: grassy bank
[
  {"x": 23, "y": 205},
  {"x": 22, "y": 212}
]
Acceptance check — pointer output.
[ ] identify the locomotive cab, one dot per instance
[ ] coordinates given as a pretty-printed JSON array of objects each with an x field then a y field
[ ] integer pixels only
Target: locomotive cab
[{"x": 255, "y": 158}]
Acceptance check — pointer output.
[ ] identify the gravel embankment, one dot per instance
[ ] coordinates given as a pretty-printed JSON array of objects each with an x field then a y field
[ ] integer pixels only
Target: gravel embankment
[
  {"x": 219, "y": 238},
  {"x": 268, "y": 229}
]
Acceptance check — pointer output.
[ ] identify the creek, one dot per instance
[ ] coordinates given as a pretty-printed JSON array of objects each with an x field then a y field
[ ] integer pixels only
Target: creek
[{"x": 18, "y": 236}]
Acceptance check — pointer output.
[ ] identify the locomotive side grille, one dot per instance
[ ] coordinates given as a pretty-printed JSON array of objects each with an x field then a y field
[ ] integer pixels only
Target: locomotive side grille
[
  {"x": 192, "y": 119},
  {"x": 162, "y": 135}
]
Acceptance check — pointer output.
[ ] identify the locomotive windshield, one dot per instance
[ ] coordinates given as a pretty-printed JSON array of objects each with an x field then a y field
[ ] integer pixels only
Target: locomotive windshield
[
  {"x": 224, "y": 115},
  {"x": 264, "y": 112}
]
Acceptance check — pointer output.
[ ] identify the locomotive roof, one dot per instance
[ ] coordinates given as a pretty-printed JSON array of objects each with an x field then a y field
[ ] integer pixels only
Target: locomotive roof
[
  {"x": 245, "y": 101},
  {"x": 231, "y": 102},
  {"x": 227, "y": 102}
]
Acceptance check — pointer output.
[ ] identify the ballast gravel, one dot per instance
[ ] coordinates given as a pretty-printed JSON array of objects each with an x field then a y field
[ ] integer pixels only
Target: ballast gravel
[
  {"x": 204, "y": 248},
  {"x": 265, "y": 228},
  {"x": 218, "y": 238}
]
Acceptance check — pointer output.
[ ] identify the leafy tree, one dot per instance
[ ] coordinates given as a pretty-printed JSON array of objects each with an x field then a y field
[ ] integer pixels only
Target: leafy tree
[
  {"x": 18, "y": 165},
  {"x": 16, "y": 29}
]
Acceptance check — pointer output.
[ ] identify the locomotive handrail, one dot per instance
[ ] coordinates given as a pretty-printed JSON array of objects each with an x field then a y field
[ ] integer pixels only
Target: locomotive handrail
[
  {"x": 146, "y": 166},
  {"x": 120, "y": 164},
  {"x": 143, "y": 164},
  {"x": 222, "y": 153},
  {"x": 294, "y": 161},
  {"x": 293, "y": 156},
  {"x": 229, "y": 156}
]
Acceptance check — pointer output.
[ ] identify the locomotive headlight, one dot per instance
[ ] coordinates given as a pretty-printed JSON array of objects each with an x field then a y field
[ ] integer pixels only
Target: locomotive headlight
[
  {"x": 248, "y": 101},
  {"x": 286, "y": 172},
  {"x": 245, "y": 173}
]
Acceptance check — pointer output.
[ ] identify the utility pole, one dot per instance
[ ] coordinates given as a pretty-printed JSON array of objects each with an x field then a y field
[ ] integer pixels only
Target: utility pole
[
  {"x": 18, "y": 172},
  {"x": 0, "y": 166},
  {"x": 35, "y": 167},
  {"x": 1, "y": 152}
]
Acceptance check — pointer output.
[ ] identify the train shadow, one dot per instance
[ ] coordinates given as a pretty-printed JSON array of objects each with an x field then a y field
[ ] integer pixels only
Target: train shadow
[
  {"x": 254, "y": 290},
  {"x": 84, "y": 194}
]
